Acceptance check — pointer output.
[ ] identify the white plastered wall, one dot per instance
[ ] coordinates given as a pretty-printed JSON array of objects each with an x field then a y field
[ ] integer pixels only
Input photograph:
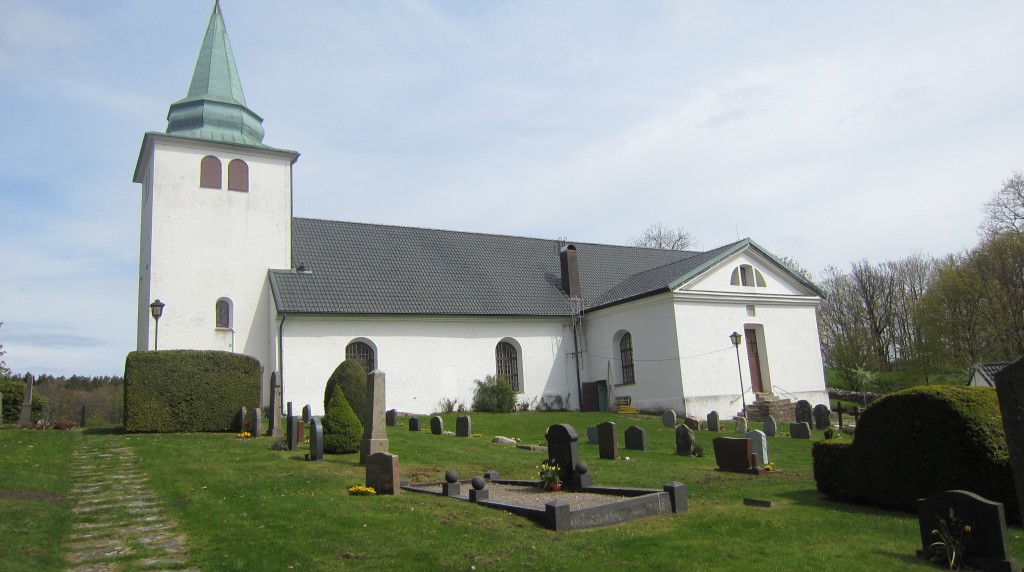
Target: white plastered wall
[{"x": 425, "y": 358}]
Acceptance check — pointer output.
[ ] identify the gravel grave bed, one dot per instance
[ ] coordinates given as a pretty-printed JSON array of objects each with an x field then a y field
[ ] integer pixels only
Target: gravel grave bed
[{"x": 534, "y": 497}]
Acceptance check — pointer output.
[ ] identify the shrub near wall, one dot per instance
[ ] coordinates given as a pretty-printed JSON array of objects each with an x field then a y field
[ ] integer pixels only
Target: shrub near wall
[
  {"x": 918, "y": 442},
  {"x": 181, "y": 391},
  {"x": 13, "y": 394}
]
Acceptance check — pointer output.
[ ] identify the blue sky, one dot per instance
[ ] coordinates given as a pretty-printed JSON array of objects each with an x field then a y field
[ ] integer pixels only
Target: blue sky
[{"x": 826, "y": 131}]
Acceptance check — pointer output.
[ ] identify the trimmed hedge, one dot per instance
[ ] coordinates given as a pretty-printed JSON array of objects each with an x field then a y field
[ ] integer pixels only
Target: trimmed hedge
[
  {"x": 342, "y": 429},
  {"x": 183, "y": 391},
  {"x": 13, "y": 392},
  {"x": 350, "y": 377},
  {"x": 918, "y": 442}
]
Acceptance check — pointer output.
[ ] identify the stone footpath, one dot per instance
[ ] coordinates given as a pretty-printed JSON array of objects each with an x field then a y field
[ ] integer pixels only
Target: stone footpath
[{"x": 121, "y": 524}]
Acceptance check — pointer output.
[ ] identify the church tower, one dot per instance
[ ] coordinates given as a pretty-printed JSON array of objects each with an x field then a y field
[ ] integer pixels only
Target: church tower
[{"x": 216, "y": 216}]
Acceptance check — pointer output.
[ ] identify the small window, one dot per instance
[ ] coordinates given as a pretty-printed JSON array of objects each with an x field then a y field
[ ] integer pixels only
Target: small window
[
  {"x": 507, "y": 364},
  {"x": 626, "y": 353},
  {"x": 238, "y": 176},
  {"x": 223, "y": 311},
  {"x": 751, "y": 311},
  {"x": 210, "y": 173},
  {"x": 362, "y": 353}
]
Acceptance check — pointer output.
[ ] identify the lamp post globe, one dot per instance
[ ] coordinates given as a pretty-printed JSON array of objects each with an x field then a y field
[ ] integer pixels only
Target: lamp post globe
[{"x": 156, "y": 309}]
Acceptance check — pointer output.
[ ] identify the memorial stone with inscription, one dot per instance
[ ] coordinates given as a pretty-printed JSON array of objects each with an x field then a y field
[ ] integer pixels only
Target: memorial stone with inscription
[
  {"x": 436, "y": 425},
  {"x": 822, "y": 416},
  {"x": 607, "y": 440},
  {"x": 463, "y": 426},
  {"x": 714, "y": 423},
  {"x": 636, "y": 438},
  {"x": 686, "y": 441},
  {"x": 375, "y": 435},
  {"x": 668, "y": 418},
  {"x": 383, "y": 474},
  {"x": 803, "y": 411},
  {"x": 563, "y": 449}
]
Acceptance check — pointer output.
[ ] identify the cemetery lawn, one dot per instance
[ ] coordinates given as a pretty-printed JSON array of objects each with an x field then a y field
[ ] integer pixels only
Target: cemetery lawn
[{"x": 246, "y": 507}]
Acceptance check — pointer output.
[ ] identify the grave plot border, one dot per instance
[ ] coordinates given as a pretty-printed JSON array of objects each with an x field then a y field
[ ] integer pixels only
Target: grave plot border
[{"x": 558, "y": 516}]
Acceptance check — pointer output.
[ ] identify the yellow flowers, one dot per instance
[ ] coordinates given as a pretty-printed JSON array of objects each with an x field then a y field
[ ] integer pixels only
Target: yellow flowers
[
  {"x": 361, "y": 491},
  {"x": 548, "y": 472},
  {"x": 243, "y": 435}
]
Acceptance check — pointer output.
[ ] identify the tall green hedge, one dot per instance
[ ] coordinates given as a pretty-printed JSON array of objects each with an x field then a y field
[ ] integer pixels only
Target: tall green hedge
[
  {"x": 342, "y": 429},
  {"x": 182, "y": 391},
  {"x": 350, "y": 378},
  {"x": 918, "y": 442},
  {"x": 13, "y": 394}
]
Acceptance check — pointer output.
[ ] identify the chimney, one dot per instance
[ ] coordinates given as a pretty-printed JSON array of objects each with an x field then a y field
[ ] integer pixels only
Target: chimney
[{"x": 570, "y": 271}]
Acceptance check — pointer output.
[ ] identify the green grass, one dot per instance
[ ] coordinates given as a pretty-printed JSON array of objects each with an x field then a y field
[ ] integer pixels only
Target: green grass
[{"x": 246, "y": 507}]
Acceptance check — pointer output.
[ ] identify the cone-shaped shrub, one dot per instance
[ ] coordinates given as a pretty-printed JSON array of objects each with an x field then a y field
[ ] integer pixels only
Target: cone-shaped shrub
[
  {"x": 342, "y": 429},
  {"x": 350, "y": 377}
]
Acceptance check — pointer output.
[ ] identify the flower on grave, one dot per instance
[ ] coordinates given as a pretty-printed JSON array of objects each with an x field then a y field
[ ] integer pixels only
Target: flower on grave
[
  {"x": 476, "y": 435},
  {"x": 361, "y": 491},
  {"x": 548, "y": 472},
  {"x": 954, "y": 536},
  {"x": 769, "y": 466},
  {"x": 243, "y": 435}
]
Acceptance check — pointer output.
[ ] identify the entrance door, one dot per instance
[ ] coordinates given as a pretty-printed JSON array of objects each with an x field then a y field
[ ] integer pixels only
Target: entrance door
[{"x": 753, "y": 360}]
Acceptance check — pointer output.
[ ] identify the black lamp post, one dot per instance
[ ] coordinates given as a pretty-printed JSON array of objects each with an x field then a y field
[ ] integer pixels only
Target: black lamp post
[
  {"x": 736, "y": 338},
  {"x": 156, "y": 309}
]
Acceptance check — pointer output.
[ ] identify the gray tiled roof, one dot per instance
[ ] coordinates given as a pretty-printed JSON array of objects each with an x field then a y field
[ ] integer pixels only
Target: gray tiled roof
[
  {"x": 358, "y": 268},
  {"x": 988, "y": 370}
]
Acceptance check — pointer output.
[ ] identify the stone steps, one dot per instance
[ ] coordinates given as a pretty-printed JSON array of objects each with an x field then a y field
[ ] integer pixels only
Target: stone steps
[{"x": 766, "y": 404}]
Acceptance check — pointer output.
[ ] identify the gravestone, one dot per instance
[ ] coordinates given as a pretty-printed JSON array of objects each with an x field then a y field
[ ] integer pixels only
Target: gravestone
[
  {"x": 414, "y": 424},
  {"x": 256, "y": 422},
  {"x": 436, "y": 425},
  {"x": 592, "y": 436},
  {"x": 564, "y": 450},
  {"x": 821, "y": 416},
  {"x": 714, "y": 423},
  {"x": 375, "y": 436},
  {"x": 300, "y": 430},
  {"x": 668, "y": 418},
  {"x": 770, "y": 426},
  {"x": 741, "y": 424},
  {"x": 839, "y": 410},
  {"x": 307, "y": 413},
  {"x": 382, "y": 473},
  {"x": 636, "y": 438},
  {"x": 803, "y": 411},
  {"x": 1010, "y": 391},
  {"x": 242, "y": 419},
  {"x": 692, "y": 422},
  {"x": 463, "y": 426},
  {"x": 800, "y": 430},
  {"x": 293, "y": 433},
  {"x": 26, "y": 401},
  {"x": 606, "y": 440},
  {"x": 275, "y": 406},
  {"x": 733, "y": 454},
  {"x": 759, "y": 445},
  {"x": 686, "y": 442},
  {"x": 316, "y": 440},
  {"x": 391, "y": 418},
  {"x": 989, "y": 547}
]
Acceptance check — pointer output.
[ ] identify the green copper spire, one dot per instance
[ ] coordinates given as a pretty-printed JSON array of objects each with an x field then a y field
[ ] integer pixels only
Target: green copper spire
[{"x": 215, "y": 107}]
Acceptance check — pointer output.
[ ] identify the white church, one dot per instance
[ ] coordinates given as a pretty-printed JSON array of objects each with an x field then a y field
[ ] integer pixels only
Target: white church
[{"x": 592, "y": 326}]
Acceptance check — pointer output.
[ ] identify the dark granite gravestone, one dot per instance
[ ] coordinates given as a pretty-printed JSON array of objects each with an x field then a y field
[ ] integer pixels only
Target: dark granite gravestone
[
  {"x": 770, "y": 426},
  {"x": 382, "y": 473},
  {"x": 606, "y": 440},
  {"x": 256, "y": 422},
  {"x": 686, "y": 441},
  {"x": 692, "y": 422},
  {"x": 800, "y": 430},
  {"x": 668, "y": 418},
  {"x": 759, "y": 445},
  {"x": 741, "y": 424},
  {"x": 733, "y": 454},
  {"x": 375, "y": 434},
  {"x": 414, "y": 424},
  {"x": 821, "y": 416},
  {"x": 1010, "y": 390},
  {"x": 241, "y": 420},
  {"x": 26, "y": 401},
  {"x": 436, "y": 425},
  {"x": 307, "y": 413},
  {"x": 714, "y": 423},
  {"x": 275, "y": 406},
  {"x": 563, "y": 449},
  {"x": 391, "y": 418},
  {"x": 636, "y": 438},
  {"x": 989, "y": 547},
  {"x": 803, "y": 411},
  {"x": 293, "y": 433},
  {"x": 463, "y": 426},
  {"x": 839, "y": 410},
  {"x": 592, "y": 437},
  {"x": 300, "y": 430},
  {"x": 316, "y": 440}
]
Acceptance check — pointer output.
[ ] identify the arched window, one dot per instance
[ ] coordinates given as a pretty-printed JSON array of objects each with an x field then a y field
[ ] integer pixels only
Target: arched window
[
  {"x": 362, "y": 353},
  {"x": 626, "y": 353},
  {"x": 209, "y": 172},
  {"x": 223, "y": 312},
  {"x": 506, "y": 360},
  {"x": 747, "y": 275},
  {"x": 238, "y": 176}
]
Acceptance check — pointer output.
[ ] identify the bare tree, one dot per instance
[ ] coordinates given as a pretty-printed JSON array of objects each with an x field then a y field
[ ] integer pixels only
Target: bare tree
[
  {"x": 1004, "y": 212},
  {"x": 4, "y": 372},
  {"x": 657, "y": 235}
]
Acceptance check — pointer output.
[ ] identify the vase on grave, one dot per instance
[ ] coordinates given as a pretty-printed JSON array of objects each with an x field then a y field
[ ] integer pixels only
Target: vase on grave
[{"x": 553, "y": 487}]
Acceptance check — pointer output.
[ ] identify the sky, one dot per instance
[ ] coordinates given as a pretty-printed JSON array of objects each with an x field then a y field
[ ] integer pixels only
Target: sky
[{"x": 828, "y": 132}]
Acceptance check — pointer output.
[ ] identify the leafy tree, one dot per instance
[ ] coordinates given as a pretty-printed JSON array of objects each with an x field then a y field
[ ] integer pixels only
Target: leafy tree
[
  {"x": 1004, "y": 211},
  {"x": 657, "y": 235},
  {"x": 342, "y": 429},
  {"x": 350, "y": 378}
]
